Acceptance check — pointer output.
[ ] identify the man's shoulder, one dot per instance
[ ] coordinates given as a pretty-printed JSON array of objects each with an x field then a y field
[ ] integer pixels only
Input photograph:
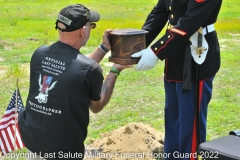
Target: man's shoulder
[
  {"x": 41, "y": 48},
  {"x": 86, "y": 59},
  {"x": 92, "y": 65}
]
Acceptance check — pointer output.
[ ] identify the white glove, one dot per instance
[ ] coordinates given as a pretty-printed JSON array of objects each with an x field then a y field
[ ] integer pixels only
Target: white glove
[{"x": 148, "y": 59}]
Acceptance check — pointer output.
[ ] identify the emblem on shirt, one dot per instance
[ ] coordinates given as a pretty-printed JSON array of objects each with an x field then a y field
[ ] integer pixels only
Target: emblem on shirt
[{"x": 44, "y": 88}]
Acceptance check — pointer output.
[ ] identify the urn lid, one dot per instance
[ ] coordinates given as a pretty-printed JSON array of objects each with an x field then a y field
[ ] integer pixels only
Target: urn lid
[{"x": 128, "y": 31}]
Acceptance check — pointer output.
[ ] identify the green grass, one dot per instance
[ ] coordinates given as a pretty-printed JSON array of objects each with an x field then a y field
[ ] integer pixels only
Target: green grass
[{"x": 138, "y": 96}]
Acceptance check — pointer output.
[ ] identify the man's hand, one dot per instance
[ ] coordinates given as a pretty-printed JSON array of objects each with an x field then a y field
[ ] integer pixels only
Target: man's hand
[
  {"x": 148, "y": 59},
  {"x": 105, "y": 41},
  {"x": 98, "y": 54}
]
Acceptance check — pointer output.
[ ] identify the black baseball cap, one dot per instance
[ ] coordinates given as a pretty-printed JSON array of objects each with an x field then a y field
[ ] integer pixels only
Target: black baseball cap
[{"x": 75, "y": 17}]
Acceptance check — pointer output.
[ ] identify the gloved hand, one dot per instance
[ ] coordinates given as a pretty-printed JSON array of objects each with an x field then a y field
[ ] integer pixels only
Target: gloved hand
[{"x": 148, "y": 59}]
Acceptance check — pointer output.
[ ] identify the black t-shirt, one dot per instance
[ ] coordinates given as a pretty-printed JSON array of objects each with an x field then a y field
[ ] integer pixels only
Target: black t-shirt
[{"x": 62, "y": 83}]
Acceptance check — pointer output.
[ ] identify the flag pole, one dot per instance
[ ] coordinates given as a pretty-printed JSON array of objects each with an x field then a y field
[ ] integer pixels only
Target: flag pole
[{"x": 15, "y": 132}]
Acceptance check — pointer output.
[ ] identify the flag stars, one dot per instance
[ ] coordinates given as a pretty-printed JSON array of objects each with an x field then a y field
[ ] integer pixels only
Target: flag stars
[{"x": 12, "y": 103}]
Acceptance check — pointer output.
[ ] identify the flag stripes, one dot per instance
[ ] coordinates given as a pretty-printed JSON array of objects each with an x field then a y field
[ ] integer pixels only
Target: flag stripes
[
  {"x": 8, "y": 118},
  {"x": 7, "y": 140}
]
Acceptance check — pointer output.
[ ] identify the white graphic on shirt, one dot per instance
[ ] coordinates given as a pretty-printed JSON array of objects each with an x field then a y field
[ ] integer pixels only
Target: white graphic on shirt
[{"x": 44, "y": 88}]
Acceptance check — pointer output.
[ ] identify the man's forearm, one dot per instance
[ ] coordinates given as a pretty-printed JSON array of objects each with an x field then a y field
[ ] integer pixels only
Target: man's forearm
[
  {"x": 107, "y": 90},
  {"x": 97, "y": 55}
]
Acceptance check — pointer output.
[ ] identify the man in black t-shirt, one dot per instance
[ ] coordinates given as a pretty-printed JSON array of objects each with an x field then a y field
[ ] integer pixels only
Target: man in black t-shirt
[{"x": 64, "y": 84}]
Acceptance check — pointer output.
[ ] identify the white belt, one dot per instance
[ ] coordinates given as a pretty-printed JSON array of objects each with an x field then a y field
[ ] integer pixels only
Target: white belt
[{"x": 208, "y": 29}]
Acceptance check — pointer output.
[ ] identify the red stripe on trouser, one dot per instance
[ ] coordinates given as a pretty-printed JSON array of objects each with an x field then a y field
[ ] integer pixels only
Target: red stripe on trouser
[{"x": 194, "y": 138}]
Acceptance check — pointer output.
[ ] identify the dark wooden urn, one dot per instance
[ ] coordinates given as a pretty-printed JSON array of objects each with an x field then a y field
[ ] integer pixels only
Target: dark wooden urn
[{"x": 125, "y": 42}]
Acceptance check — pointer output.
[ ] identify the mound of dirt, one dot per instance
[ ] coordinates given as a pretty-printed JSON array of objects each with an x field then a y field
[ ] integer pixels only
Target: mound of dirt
[{"x": 132, "y": 141}]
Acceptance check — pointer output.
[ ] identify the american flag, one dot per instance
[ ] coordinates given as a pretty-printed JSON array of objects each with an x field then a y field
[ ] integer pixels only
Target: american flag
[
  {"x": 46, "y": 82},
  {"x": 10, "y": 139}
]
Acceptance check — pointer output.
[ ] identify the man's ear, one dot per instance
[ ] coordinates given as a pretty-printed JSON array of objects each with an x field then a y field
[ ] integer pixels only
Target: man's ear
[{"x": 82, "y": 30}]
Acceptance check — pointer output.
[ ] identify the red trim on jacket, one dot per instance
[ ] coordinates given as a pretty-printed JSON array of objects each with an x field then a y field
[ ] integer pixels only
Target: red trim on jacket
[
  {"x": 200, "y": 1},
  {"x": 165, "y": 43},
  {"x": 178, "y": 31}
]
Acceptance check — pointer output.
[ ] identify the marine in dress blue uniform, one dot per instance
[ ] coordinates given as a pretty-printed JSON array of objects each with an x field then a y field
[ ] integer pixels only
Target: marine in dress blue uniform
[{"x": 183, "y": 18}]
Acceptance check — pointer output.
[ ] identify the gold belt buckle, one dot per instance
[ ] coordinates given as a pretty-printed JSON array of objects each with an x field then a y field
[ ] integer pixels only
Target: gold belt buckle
[
  {"x": 169, "y": 26},
  {"x": 200, "y": 30}
]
